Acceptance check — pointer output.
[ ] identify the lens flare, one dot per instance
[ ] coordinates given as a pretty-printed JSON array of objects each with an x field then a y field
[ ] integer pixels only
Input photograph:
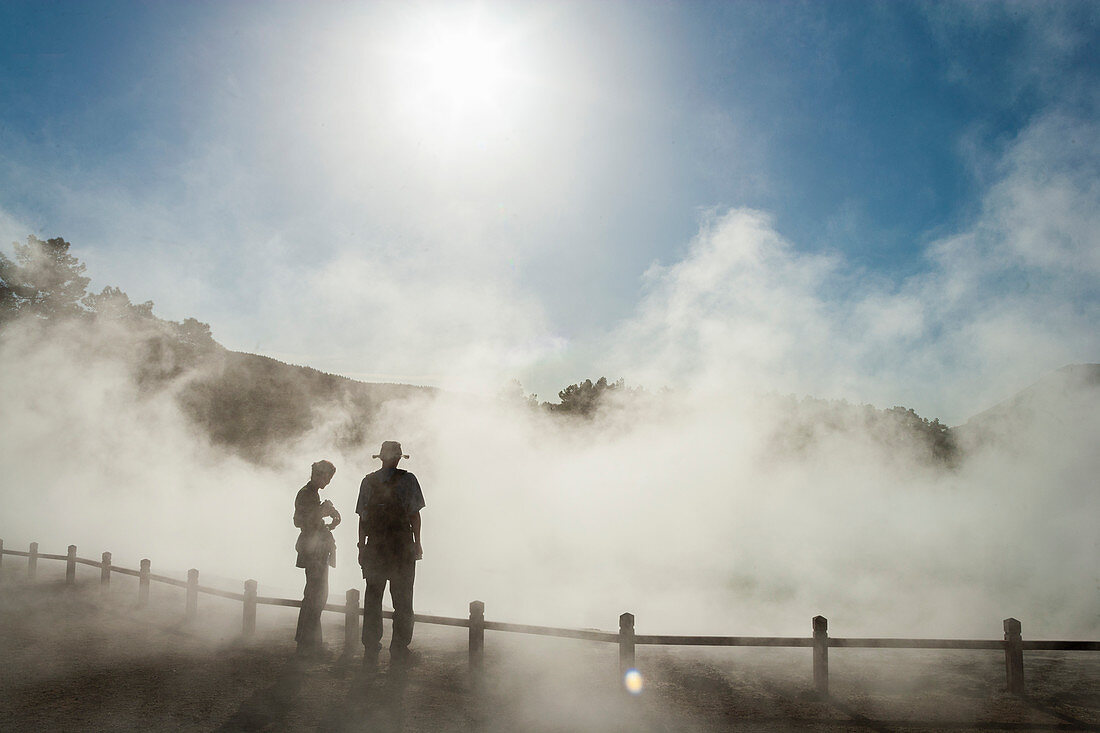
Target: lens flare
[{"x": 632, "y": 680}]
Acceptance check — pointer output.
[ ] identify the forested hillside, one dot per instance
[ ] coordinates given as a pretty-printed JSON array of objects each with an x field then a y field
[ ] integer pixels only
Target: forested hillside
[{"x": 247, "y": 403}]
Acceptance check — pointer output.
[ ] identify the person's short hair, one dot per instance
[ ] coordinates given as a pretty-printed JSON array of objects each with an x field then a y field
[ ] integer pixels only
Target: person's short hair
[
  {"x": 322, "y": 468},
  {"x": 390, "y": 449}
]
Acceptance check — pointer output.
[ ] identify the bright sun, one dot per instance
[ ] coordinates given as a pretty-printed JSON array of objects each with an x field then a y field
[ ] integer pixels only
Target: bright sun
[
  {"x": 464, "y": 67},
  {"x": 458, "y": 74}
]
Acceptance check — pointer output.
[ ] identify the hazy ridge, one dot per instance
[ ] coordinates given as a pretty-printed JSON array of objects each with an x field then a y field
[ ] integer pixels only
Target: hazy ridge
[{"x": 254, "y": 406}]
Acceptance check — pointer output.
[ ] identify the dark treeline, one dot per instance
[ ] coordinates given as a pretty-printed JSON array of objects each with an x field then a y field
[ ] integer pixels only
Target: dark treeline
[
  {"x": 252, "y": 405},
  {"x": 584, "y": 399}
]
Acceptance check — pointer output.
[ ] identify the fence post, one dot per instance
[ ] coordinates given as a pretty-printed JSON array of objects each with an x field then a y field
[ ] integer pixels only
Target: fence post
[
  {"x": 70, "y": 566},
  {"x": 192, "y": 595},
  {"x": 351, "y": 621},
  {"x": 1, "y": 553},
  {"x": 105, "y": 571},
  {"x": 821, "y": 655},
  {"x": 32, "y": 561},
  {"x": 477, "y": 636},
  {"x": 143, "y": 584},
  {"x": 1014, "y": 656},
  {"x": 626, "y": 643},
  {"x": 248, "y": 627}
]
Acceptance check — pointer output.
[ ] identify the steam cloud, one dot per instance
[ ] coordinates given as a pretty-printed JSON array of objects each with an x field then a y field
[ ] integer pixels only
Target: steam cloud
[{"x": 676, "y": 508}]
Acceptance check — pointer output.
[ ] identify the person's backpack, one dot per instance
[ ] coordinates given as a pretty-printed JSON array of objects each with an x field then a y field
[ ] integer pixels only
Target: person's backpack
[{"x": 389, "y": 533}]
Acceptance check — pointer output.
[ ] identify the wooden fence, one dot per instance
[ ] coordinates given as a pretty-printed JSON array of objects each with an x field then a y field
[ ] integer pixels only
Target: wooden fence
[{"x": 1013, "y": 644}]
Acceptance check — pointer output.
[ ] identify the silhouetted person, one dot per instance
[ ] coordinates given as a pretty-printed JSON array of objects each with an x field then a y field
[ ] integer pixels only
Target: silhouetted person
[
  {"x": 316, "y": 552},
  {"x": 389, "y": 507}
]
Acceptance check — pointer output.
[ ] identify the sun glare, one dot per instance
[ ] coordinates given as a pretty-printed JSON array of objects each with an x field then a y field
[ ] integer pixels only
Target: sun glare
[
  {"x": 462, "y": 67},
  {"x": 458, "y": 74}
]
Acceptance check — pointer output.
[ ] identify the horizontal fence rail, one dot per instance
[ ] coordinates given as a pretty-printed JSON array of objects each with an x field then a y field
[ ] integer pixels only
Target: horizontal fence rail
[
  {"x": 917, "y": 643},
  {"x": 791, "y": 641},
  {"x": 588, "y": 635},
  {"x": 1061, "y": 646},
  {"x": 820, "y": 642}
]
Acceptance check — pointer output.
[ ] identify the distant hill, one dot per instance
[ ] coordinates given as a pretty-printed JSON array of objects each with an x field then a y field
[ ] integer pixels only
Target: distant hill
[
  {"x": 1052, "y": 399},
  {"x": 252, "y": 404},
  {"x": 809, "y": 424}
]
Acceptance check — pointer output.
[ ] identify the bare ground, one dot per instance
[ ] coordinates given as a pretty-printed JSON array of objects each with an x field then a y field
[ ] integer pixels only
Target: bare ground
[{"x": 77, "y": 659}]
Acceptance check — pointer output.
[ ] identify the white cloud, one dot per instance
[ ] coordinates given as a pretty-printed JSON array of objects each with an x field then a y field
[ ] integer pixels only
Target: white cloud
[
  {"x": 1044, "y": 208},
  {"x": 1011, "y": 297},
  {"x": 727, "y": 311}
]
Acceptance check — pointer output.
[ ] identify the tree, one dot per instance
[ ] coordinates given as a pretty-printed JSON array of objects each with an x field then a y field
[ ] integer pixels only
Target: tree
[
  {"x": 194, "y": 333},
  {"x": 43, "y": 280},
  {"x": 111, "y": 302},
  {"x": 583, "y": 398}
]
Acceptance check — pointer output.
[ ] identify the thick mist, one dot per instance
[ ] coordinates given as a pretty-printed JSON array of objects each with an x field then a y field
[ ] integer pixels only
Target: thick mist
[
  {"x": 691, "y": 508},
  {"x": 686, "y": 508}
]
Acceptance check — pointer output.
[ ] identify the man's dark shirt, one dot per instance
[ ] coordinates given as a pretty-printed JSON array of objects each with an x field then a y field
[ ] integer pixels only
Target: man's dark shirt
[{"x": 405, "y": 486}]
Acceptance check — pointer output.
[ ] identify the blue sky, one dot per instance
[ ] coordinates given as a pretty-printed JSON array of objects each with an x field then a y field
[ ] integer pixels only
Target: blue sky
[{"x": 890, "y": 202}]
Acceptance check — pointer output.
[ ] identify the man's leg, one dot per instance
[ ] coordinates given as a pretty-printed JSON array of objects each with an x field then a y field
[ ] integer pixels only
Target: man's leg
[
  {"x": 401, "y": 593},
  {"x": 372, "y": 609},
  {"x": 322, "y": 598},
  {"x": 314, "y": 595}
]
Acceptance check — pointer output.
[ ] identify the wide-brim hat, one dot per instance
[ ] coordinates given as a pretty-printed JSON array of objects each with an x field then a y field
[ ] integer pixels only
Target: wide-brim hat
[{"x": 390, "y": 448}]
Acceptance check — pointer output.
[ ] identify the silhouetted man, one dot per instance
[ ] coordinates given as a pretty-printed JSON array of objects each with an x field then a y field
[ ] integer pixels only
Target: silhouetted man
[
  {"x": 316, "y": 551},
  {"x": 389, "y": 507}
]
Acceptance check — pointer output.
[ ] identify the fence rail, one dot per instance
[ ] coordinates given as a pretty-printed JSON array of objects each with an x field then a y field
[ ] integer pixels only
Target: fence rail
[
  {"x": 723, "y": 640},
  {"x": 585, "y": 634},
  {"x": 917, "y": 643},
  {"x": 820, "y": 642}
]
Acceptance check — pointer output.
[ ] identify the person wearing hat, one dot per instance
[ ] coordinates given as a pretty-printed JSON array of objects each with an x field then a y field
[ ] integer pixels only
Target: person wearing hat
[
  {"x": 390, "y": 500},
  {"x": 316, "y": 552}
]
